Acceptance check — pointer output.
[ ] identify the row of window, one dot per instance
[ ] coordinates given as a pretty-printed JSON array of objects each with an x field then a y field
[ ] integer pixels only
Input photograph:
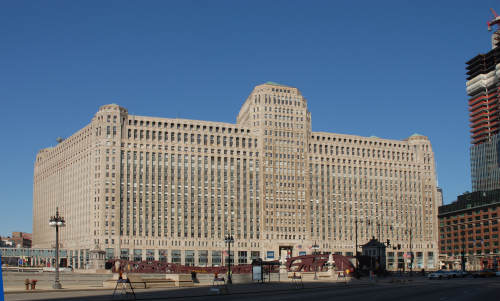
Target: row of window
[{"x": 190, "y": 127}]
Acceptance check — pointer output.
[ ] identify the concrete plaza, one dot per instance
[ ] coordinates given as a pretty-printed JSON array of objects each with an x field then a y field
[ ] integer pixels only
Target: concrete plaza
[{"x": 422, "y": 288}]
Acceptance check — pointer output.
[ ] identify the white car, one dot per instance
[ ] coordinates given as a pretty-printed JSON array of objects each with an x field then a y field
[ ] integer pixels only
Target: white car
[{"x": 439, "y": 275}]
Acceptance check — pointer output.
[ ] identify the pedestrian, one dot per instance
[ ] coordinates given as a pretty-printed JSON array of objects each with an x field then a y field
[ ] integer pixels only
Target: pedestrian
[
  {"x": 27, "y": 283},
  {"x": 423, "y": 272},
  {"x": 193, "y": 276},
  {"x": 120, "y": 275}
]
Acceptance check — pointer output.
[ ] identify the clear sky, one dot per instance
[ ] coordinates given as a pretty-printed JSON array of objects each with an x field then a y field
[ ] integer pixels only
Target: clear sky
[{"x": 384, "y": 68}]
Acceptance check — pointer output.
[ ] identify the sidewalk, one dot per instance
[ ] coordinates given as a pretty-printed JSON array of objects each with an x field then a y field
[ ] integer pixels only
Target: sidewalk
[{"x": 237, "y": 288}]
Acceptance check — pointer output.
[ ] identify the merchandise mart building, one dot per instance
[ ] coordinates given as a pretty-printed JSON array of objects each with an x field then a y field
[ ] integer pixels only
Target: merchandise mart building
[{"x": 147, "y": 188}]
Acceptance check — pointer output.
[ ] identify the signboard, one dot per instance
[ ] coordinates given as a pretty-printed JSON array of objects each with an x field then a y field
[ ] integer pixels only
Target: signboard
[
  {"x": 302, "y": 253},
  {"x": 19, "y": 262},
  {"x": 257, "y": 273},
  {"x": 270, "y": 254}
]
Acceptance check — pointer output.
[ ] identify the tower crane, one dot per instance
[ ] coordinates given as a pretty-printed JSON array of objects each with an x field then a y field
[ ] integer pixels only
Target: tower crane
[{"x": 495, "y": 20}]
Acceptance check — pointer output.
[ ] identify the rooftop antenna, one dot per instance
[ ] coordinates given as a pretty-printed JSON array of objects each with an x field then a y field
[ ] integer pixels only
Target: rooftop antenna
[
  {"x": 177, "y": 114},
  {"x": 60, "y": 139}
]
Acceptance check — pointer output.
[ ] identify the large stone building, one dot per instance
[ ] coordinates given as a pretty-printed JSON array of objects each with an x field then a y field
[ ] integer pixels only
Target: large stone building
[{"x": 171, "y": 189}]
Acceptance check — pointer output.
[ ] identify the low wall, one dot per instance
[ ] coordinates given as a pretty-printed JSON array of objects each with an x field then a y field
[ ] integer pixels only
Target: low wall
[{"x": 67, "y": 279}]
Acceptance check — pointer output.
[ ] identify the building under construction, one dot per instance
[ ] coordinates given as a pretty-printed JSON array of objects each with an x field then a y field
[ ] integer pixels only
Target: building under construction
[{"x": 483, "y": 73}]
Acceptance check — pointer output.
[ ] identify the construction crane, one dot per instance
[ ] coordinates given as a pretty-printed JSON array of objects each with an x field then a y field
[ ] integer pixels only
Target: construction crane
[{"x": 495, "y": 20}]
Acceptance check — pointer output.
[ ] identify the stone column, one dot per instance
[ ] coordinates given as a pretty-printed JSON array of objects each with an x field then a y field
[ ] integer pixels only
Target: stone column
[{"x": 331, "y": 271}]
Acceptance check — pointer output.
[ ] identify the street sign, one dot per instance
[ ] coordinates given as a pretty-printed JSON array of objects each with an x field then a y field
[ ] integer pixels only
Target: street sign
[{"x": 19, "y": 262}]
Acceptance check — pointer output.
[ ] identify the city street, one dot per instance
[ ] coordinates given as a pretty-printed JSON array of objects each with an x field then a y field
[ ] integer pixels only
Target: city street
[{"x": 423, "y": 289}]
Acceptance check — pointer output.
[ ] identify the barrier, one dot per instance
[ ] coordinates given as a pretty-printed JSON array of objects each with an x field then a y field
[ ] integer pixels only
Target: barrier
[
  {"x": 123, "y": 291},
  {"x": 373, "y": 277},
  {"x": 341, "y": 278},
  {"x": 297, "y": 280},
  {"x": 217, "y": 286}
]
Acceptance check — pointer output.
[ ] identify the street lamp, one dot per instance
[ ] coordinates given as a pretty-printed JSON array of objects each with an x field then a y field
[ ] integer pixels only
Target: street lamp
[
  {"x": 356, "y": 246},
  {"x": 411, "y": 248},
  {"x": 315, "y": 247},
  {"x": 229, "y": 240},
  {"x": 462, "y": 260},
  {"x": 57, "y": 221},
  {"x": 380, "y": 224}
]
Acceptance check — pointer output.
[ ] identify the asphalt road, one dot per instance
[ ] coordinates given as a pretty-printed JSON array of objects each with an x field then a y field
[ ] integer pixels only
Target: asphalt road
[{"x": 423, "y": 289}]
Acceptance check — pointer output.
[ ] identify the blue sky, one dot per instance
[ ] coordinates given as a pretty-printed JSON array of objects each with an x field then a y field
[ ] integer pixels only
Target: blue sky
[{"x": 384, "y": 68}]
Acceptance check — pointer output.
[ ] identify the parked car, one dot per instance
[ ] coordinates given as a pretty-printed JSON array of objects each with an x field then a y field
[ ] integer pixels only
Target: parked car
[
  {"x": 439, "y": 275},
  {"x": 453, "y": 273},
  {"x": 459, "y": 273},
  {"x": 484, "y": 273},
  {"x": 497, "y": 273}
]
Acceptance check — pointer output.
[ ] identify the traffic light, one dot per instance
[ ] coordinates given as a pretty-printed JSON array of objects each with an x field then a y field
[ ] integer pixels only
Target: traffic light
[
  {"x": 388, "y": 242},
  {"x": 399, "y": 247}
]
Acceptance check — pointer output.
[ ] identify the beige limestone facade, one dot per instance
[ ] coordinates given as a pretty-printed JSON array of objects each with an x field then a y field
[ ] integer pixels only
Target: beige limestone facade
[{"x": 147, "y": 188}]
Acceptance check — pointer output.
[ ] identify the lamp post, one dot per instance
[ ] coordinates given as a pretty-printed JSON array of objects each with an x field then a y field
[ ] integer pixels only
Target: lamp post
[
  {"x": 229, "y": 240},
  {"x": 380, "y": 224},
  {"x": 411, "y": 249},
  {"x": 57, "y": 221},
  {"x": 356, "y": 248},
  {"x": 462, "y": 260},
  {"x": 315, "y": 247}
]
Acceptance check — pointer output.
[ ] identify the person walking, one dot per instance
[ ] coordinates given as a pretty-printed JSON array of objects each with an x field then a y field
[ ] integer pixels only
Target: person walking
[{"x": 193, "y": 276}]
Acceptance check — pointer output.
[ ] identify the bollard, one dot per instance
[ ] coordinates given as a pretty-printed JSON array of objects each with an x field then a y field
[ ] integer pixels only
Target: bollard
[{"x": 27, "y": 284}]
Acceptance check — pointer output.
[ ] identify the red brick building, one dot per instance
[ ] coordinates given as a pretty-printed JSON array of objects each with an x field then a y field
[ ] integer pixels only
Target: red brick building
[
  {"x": 468, "y": 229},
  {"x": 18, "y": 240}
]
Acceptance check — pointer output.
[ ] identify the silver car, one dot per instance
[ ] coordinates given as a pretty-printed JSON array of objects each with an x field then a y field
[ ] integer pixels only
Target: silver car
[
  {"x": 459, "y": 273},
  {"x": 439, "y": 275}
]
